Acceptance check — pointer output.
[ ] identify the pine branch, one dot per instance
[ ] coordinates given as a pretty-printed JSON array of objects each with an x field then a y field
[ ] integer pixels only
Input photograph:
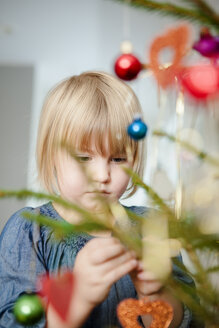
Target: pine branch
[
  {"x": 25, "y": 193},
  {"x": 201, "y": 154},
  {"x": 188, "y": 296},
  {"x": 206, "y": 10},
  {"x": 90, "y": 222},
  {"x": 154, "y": 196},
  {"x": 203, "y": 298},
  {"x": 190, "y": 233},
  {"x": 204, "y": 7},
  {"x": 137, "y": 218},
  {"x": 63, "y": 228},
  {"x": 177, "y": 11},
  {"x": 208, "y": 242},
  {"x": 213, "y": 269},
  {"x": 205, "y": 290},
  {"x": 184, "y": 230}
]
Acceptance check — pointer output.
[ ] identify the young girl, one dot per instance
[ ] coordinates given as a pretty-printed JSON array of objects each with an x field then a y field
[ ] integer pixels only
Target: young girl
[{"x": 89, "y": 113}]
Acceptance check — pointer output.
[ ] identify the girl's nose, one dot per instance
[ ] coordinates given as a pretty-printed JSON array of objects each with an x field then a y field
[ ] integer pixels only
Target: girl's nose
[{"x": 102, "y": 172}]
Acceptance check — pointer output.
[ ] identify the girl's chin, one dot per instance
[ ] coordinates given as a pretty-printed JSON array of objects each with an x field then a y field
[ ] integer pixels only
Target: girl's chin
[
  {"x": 94, "y": 206},
  {"x": 91, "y": 203}
]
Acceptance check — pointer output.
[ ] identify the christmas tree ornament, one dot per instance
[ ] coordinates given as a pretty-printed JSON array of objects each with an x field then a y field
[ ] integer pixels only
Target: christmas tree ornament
[
  {"x": 129, "y": 310},
  {"x": 28, "y": 309},
  {"x": 207, "y": 45},
  {"x": 156, "y": 248},
  {"x": 200, "y": 81},
  {"x": 175, "y": 39},
  {"x": 180, "y": 111},
  {"x": 127, "y": 67},
  {"x": 58, "y": 291},
  {"x": 126, "y": 47},
  {"x": 137, "y": 129}
]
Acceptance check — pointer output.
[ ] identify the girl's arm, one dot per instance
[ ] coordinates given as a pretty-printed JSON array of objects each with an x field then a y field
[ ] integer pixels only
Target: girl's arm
[
  {"x": 99, "y": 264},
  {"x": 80, "y": 311}
]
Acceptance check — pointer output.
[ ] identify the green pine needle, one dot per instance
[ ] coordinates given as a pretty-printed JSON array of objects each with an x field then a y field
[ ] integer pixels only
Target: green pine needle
[
  {"x": 204, "y": 7},
  {"x": 25, "y": 194},
  {"x": 213, "y": 269},
  {"x": 199, "y": 153},
  {"x": 197, "y": 16},
  {"x": 64, "y": 228},
  {"x": 158, "y": 201}
]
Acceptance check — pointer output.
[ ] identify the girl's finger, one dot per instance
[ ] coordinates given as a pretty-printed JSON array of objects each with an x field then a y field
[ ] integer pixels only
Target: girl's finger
[
  {"x": 140, "y": 266},
  {"x": 113, "y": 263},
  {"x": 121, "y": 270},
  {"x": 150, "y": 288},
  {"x": 102, "y": 255},
  {"x": 146, "y": 275},
  {"x": 102, "y": 242}
]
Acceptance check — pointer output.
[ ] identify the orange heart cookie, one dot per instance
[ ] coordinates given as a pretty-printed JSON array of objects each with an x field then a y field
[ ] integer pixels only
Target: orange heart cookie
[{"x": 129, "y": 310}]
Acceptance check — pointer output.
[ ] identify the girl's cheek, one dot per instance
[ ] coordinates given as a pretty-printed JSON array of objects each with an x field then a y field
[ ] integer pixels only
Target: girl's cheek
[{"x": 121, "y": 181}]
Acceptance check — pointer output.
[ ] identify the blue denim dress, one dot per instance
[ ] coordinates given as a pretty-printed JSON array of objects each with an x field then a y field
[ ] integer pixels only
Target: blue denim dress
[{"x": 28, "y": 250}]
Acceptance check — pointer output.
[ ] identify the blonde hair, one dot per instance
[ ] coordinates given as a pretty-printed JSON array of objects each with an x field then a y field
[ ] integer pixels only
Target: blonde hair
[{"x": 84, "y": 108}]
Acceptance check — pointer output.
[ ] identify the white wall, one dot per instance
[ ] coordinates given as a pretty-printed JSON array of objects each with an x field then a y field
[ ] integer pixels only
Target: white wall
[
  {"x": 61, "y": 38},
  {"x": 15, "y": 117}
]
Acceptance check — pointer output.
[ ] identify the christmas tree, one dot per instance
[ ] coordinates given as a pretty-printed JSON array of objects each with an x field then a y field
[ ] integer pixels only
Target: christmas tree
[{"x": 187, "y": 219}]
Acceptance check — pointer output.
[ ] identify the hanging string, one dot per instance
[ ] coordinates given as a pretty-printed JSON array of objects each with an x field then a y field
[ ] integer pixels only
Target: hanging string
[
  {"x": 126, "y": 45},
  {"x": 162, "y": 99},
  {"x": 211, "y": 126},
  {"x": 126, "y": 20},
  {"x": 180, "y": 107}
]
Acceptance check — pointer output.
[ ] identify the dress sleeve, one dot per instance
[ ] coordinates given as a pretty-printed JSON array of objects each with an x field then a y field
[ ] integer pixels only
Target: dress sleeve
[{"x": 21, "y": 262}]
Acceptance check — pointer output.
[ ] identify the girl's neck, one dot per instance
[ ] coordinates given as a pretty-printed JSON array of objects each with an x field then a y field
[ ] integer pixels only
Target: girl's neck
[{"x": 74, "y": 217}]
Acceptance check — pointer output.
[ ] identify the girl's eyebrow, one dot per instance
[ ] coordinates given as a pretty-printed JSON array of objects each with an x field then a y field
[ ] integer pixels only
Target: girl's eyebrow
[
  {"x": 119, "y": 154},
  {"x": 84, "y": 152},
  {"x": 94, "y": 152}
]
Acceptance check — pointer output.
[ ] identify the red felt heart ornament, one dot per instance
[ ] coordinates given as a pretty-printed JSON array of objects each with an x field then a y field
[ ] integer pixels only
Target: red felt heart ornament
[{"x": 58, "y": 291}]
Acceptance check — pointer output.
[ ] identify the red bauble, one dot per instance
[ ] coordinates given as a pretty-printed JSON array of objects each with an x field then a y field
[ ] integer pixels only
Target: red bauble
[
  {"x": 127, "y": 67},
  {"x": 201, "y": 81}
]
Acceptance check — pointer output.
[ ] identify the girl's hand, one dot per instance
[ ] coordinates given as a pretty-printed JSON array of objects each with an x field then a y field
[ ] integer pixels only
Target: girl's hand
[
  {"x": 145, "y": 282},
  {"x": 99, "y": 264},
  {"x": 147, "y": 285}
]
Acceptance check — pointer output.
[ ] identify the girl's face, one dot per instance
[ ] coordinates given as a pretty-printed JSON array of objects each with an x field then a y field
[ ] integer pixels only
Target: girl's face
[{"x": 89, "y": 175}]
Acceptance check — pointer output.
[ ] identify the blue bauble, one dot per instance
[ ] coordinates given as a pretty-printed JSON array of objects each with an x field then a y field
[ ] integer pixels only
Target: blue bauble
[{"x": 137, "y": 129}]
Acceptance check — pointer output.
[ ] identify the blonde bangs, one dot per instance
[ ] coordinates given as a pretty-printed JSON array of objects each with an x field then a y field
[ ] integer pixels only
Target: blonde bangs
[
  {"x": 102, "y": 139},
  {"x": 101, "y": 126}
]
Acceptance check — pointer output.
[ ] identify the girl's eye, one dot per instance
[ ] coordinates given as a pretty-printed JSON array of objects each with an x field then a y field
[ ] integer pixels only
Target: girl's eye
[
  {"x": 83, "y": 159},
  {"x": 118, "y": 159}
]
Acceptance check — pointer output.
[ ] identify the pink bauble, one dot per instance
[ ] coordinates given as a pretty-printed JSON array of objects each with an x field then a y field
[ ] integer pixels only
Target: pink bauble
[{"x": 200, "y": 81}]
